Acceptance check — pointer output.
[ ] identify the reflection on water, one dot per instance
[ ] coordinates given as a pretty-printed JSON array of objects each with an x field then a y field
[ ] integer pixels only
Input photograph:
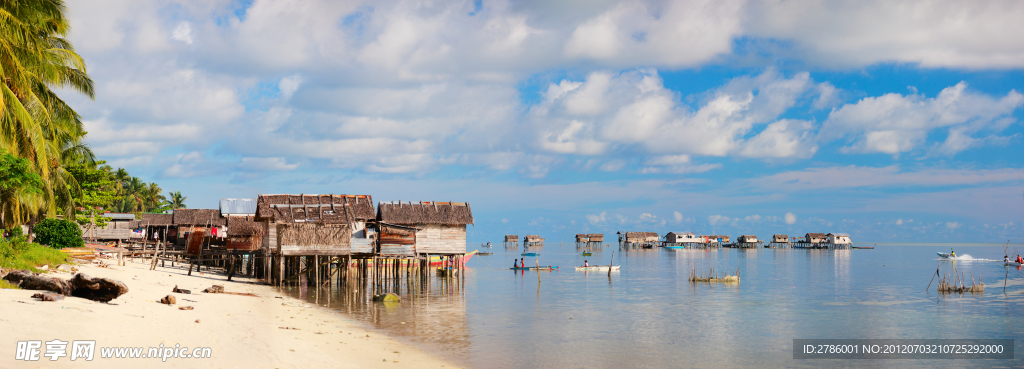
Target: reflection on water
[{"x": 649, "y": 315}]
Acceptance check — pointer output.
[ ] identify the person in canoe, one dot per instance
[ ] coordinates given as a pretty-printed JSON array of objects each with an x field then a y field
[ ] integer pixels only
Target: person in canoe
[
  {"x": 1019, "y": 260},
  {"x": 522, "y": 263},
  {"x": 585, "y": 264},
  {"x": 515, "y": 264}
]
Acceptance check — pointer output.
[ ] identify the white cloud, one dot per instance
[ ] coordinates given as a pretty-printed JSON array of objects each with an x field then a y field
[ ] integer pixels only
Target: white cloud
[
  {"x": 953, "y": 225},
  {"x": 597, "y": 218},
  {"x": 933, "y": 34},
  {"x": 899, "y": 221},
  {"x": 183, "y": 32},
  {"x": 790, "y": 218},
  {"x": 289, "y": 85},
  {"x": 249, "y": 164},
  {"x": 718, "y": 219},
  {"x": 894, "y": 123},
  {"x": 856, "y": 176},
  {"x": 677, "y": 216}
]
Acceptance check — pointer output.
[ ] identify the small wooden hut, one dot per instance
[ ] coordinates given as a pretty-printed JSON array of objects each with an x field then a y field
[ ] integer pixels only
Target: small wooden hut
[
  {"x": 639, "y": 239},
  {"x": 838, "y": 240},
  {"x": 780, "y": 238},
  {"x": 511, "y": 240},
  {"x": 747, "y": 241},
  {"x": 815, "y": 238},
  {"x": 439, "y": 228},
  {"x": 533, "y": 240},
  {"x": 682, "y": 238},
  {"x": 306, "y": 227},
  {"x": 198, "y": 227}
]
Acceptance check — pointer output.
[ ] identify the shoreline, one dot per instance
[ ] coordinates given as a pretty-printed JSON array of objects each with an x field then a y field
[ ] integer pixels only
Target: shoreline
[{"x": 239, "y": 330}]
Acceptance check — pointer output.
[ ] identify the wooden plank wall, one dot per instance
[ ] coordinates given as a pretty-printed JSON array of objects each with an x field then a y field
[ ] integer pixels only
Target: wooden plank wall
[{"x": 438, "y": 239}]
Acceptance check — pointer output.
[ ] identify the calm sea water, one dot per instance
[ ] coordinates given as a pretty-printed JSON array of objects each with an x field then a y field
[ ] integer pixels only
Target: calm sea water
[{"x": 649, "y": 314}]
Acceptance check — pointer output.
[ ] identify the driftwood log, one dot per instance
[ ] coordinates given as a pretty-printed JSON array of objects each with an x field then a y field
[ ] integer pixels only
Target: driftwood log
[{"x": 81, "y": 285}]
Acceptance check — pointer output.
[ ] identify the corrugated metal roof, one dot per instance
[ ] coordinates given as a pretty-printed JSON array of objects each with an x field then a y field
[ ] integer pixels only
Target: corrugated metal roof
[
  {"x": 238, "y": 206},
  {"x": 128, "y": 216}
]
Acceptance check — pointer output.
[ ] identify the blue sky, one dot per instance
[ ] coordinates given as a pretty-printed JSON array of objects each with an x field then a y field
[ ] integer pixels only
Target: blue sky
[{"x": 889, "y": 121}]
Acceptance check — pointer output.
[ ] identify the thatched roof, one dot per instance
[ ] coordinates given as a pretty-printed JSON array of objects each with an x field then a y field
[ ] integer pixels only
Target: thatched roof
[
  {"x": 156, "y": 219},
  {"x": 306, "y": 208},
  {"x": 595, "y": 237},
  {"x": 268, "y": 206},
  {"x": 244, "y": 226},
  {"x": 511, "y": 238},
  {"x": 815, "y": 235},
  {"x": 397, "y": 229},
  {"x": 532, "y": 238},
  {"x": 412, "y": 213},
  {"x": 780, "y": 238},
  {"x": 198, "y": 217},
  {"x": 642, "y": 237}
]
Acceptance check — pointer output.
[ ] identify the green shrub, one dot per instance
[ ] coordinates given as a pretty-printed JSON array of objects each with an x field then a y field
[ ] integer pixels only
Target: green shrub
[
  {"x": 18, "y": 253},
  {"x": 8, "y": 285},
  {"x": 58, "y": 233}
]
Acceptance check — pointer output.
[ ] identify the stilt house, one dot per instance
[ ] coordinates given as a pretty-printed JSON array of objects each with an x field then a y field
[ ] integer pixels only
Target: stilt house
[
  {"x": 309, "y": 225},
  {"x": 435, "y": 228}
]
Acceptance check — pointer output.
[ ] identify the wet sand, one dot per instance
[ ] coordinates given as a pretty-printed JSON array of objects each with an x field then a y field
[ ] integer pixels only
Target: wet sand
[{"x": 268, "y": 331}]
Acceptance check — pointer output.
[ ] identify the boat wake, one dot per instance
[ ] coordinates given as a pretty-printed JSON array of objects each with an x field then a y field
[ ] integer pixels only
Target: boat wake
[{"x": 966, "y": 257}]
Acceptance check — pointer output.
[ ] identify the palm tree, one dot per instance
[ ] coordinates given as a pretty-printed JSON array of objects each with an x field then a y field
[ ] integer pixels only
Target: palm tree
[
  {"x": 152, "y": 197},
  {"x": 177, "y": 201},
  {"x": 34, "y": 122}
]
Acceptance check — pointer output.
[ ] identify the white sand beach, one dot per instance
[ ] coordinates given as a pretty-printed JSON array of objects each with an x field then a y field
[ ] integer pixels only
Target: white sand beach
[{"x": 241, "y": 331}]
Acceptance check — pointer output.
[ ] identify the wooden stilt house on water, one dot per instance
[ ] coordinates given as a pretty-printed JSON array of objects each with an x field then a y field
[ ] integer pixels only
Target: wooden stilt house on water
[
  {"x": 511, "y": 240},
  {"x": 415, "y": 229},
  {"x": 301, "y": 229},
  {"x": 812, "y": 241},
  {"x": 780, "y": 240},
  {"x": 590, "y": 240},
  {"x": 533, "y": 240},
  {"x": 838, "y": 240},
  {"x": 747, "y": 241},
  {"x": 683, "y": 239},
  {"x": 638, "y": 239}
]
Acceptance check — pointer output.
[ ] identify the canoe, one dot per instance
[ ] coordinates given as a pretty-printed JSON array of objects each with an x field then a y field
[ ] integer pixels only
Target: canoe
[
  {"x": 1012, "y": 263},
  {"x": 588, "y": 254},
  {"x": 675, "y": 247},
  {"x": 530, "y": 254},
  {"x": 537, "y": 268},
  {"x": 863, "y": 247},
  {"x": 596, "y": 268}
]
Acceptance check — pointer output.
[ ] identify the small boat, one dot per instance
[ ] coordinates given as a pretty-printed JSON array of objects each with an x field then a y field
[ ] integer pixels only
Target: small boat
[
  {"x": 1012, "y": 263},
  {"x": 588, "y": 253},
  {"x": 485, "y": 253},
  {"x": 863, "y": 247},
  {"x": 946, "y": 255},
  {"x": 530, "y": 254},
  {"x": 675, "y": 247},
  {"x": 597, "y": 268},
  {"x": 548, "y": 267}
]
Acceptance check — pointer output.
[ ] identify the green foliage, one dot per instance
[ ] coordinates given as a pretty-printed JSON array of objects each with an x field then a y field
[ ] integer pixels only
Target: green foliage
[
  {"x": 20, "y": 186},
  {"x": 18, "y": 253},
  {"x": 99, "y": 190},
  {"x": 8, "y": 285},
  {"x": 59, "y": 233}
]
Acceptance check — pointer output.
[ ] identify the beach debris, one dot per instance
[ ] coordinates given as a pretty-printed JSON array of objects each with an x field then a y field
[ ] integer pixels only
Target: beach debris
[
  {"x": 178, "y": 290},
  {"x": 169, "y": 300},
  {"x": 48, "y": 296},
  {"x": 714, "y": 277},
  {"x": 292, "y": 328},
  {"x": 81, "y": 285},
  {"x": 197, "y": 320},
  {"x": 387, "y": 297},
  {"x": 215, "y": 289},
  {"x": 185, "y": 308}
]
